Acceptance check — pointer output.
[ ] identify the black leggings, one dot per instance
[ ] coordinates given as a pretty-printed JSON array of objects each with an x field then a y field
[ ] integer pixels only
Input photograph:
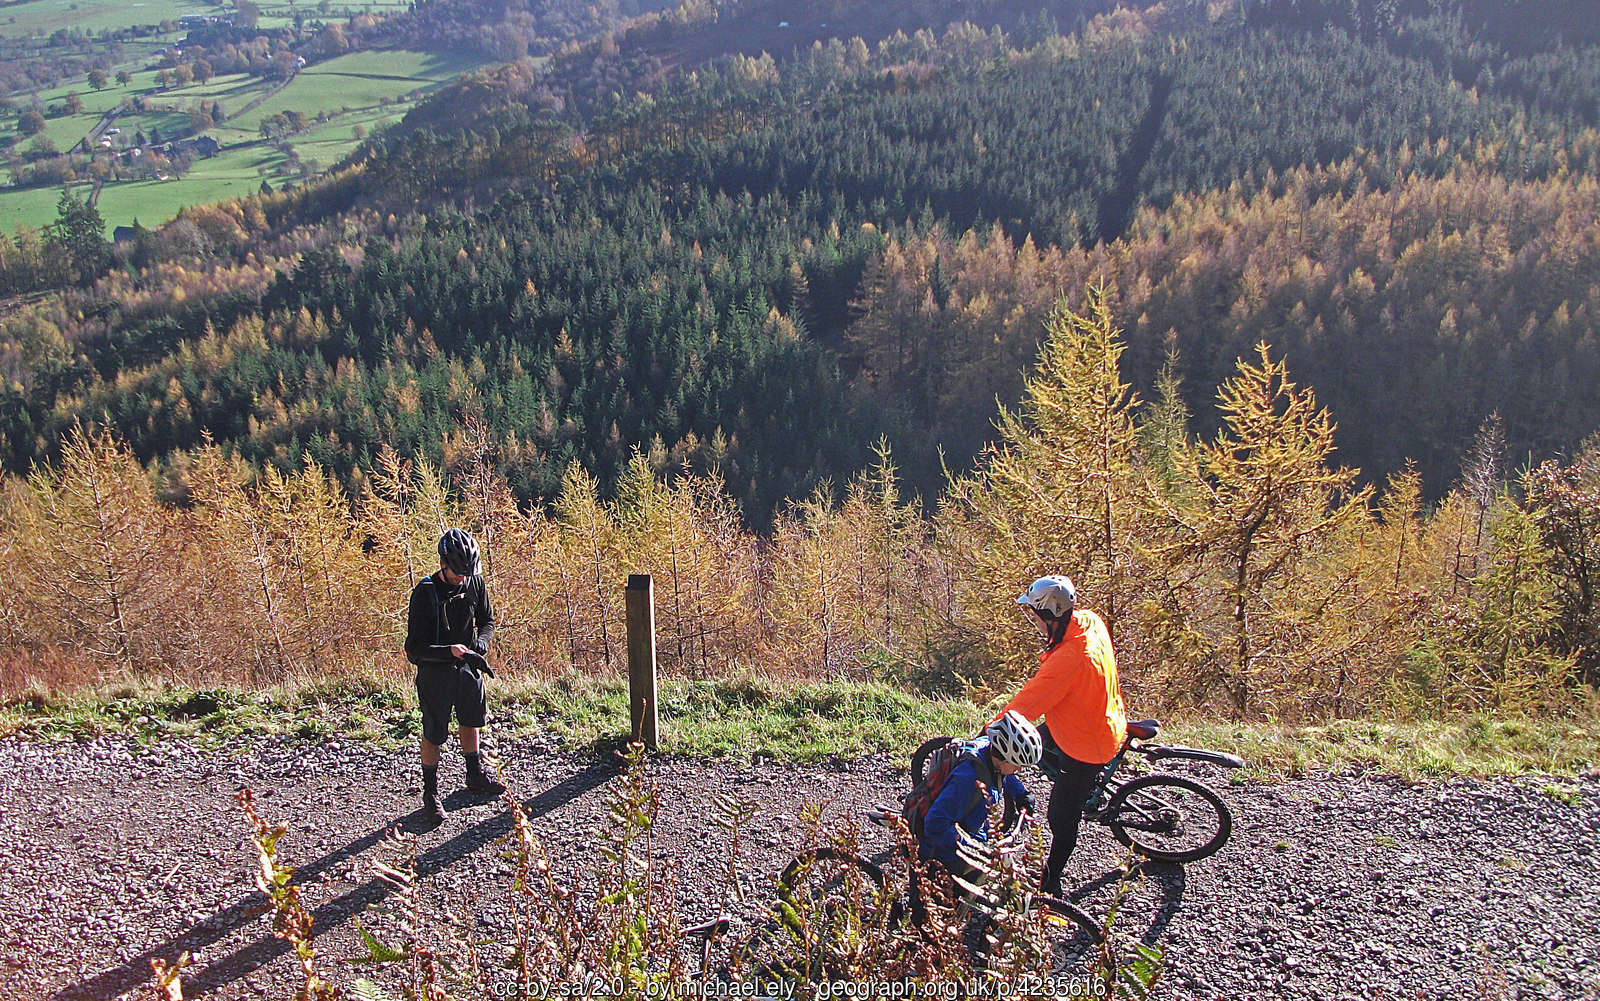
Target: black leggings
[{"x": 1077, "y": 781}]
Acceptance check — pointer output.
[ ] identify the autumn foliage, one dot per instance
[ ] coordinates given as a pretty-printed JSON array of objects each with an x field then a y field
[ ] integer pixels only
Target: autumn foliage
[{"x": 1244, "y": 572}]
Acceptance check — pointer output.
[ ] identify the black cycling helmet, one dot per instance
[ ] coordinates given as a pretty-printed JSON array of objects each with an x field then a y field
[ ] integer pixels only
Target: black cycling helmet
[{"x": 458, "y": 552}]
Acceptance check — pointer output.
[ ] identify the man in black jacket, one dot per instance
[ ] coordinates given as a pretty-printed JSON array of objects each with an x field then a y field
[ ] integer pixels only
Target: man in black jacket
[{"x": 447, "y": 634}]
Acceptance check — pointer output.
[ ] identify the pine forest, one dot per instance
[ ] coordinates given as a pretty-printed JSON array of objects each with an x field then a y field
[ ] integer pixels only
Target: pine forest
[{"x": 1273, "y": 323}]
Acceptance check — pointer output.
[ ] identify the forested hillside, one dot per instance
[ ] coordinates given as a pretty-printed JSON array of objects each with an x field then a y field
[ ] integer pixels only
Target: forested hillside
[{"x": 763, "y": 263}]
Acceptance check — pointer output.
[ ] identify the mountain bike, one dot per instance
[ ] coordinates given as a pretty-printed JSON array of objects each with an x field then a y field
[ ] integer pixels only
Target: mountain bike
[
  {"x": 1165, "y": 817},
  {"x": 833, "y": 904},
  {"x": 835, "y": 898}
]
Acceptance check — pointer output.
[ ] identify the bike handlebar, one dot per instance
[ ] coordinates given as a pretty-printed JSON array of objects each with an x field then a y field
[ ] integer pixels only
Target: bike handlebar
[{"x": 1007, "y": 843}]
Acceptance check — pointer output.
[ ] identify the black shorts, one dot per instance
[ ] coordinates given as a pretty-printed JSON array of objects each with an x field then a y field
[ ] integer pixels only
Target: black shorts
[{"x": 443, "y": 689}]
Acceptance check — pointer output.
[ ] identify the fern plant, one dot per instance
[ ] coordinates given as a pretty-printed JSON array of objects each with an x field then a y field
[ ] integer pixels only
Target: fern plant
[{"x": 291, "y": 921}]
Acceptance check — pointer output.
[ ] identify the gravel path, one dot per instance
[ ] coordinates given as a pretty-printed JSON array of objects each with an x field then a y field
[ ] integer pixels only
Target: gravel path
[{"x": 1332, "y": 887}]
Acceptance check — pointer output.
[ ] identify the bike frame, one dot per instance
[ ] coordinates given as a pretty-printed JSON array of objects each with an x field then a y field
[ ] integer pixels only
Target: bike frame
[{"x": 1108, "y": 784}]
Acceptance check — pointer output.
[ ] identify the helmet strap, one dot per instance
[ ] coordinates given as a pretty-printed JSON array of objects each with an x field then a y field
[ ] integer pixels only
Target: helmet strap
[{"x": 1058, "y": 631}]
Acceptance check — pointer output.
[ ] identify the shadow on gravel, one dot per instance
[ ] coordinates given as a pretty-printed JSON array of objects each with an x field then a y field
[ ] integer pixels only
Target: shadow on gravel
[
  {"x": 1169, "y": 881},
  {"x": 204, "y": 979},
  {"x": 1172, "y": 881}
]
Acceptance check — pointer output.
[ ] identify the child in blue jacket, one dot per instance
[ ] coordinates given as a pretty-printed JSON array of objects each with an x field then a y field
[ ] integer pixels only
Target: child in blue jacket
[{"x": 1010, "y": 745}]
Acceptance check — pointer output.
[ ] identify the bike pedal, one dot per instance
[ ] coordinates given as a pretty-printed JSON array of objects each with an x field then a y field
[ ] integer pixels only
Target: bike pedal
[
  {"x": 882, "y": 815},
  {"x": 711, "y": 929}
]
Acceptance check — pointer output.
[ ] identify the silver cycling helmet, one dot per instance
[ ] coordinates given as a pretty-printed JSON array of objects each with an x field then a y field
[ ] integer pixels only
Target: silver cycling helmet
[
  {"x": 459, "y": 552},
  {"x": 1015, "y": 741},
  {"x": 1054, "y": 595}
]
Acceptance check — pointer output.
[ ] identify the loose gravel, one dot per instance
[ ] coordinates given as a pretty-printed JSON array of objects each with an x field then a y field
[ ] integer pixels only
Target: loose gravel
[{"x": 1332, "y": 887}]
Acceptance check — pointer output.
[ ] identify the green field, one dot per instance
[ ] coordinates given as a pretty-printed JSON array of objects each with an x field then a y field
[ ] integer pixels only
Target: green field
[
  {"x": 396, "y": 63},
  {"x": 278, "y": 15},
  {"x": 169, "y": 121},
  {"x": 41, "y": 17},
  {"x": 364, "y": 88},
  {"x": 33, "y": 207},
  {"x": 229, "y": 174},
  {"x": 347, "y": 86},
  {"x": 65, "y": 132},
  {"x": 232, "y": 89},
  {"x": 363, "y": 80},
  {"x": 45, "y": 16}
]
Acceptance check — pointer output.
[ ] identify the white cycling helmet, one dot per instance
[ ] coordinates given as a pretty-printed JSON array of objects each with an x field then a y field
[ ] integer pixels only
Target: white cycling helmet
[
  {"x": 1015, "y": 741},
  {"x": 1054, "y": 595}
]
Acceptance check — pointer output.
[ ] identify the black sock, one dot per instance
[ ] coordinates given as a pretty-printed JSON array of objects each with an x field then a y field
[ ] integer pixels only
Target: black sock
[
  {"x": 430, "y": 781},
  {"x": 474, "y": 762}
]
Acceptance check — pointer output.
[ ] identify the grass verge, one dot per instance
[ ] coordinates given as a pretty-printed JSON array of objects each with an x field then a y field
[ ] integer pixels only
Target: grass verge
[
  {"x": 802, "y": 722},
  {"x": 1474, "y": 746}
]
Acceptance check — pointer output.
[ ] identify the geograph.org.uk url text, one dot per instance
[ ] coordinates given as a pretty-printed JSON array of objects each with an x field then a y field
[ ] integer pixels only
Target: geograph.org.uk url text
[{"x": 827, "y": 990}]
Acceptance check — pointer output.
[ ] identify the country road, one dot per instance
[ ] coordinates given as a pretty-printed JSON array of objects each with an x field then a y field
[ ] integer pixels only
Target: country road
[{"x": 1332, "y": 887}]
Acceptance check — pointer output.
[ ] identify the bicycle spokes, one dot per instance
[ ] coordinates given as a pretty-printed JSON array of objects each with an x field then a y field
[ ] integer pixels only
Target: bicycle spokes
[
  {"x": 1169, "y": 817},
  {"x": 1149, "y": 813}
]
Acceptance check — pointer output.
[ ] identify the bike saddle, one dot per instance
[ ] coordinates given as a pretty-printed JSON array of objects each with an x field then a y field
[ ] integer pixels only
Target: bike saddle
[{"x": 1144, "y": 729}]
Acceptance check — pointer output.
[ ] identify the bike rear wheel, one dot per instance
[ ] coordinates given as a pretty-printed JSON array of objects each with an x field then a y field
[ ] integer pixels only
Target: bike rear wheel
[
  {"x": 1169, "y": 818},
  {"x": 919, "y": 757}
]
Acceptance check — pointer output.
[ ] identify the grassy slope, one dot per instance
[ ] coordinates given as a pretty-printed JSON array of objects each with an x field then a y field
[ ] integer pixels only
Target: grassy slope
[
  {"x": 229, "y": 174},
  {"x": 33, "y": 207},
  {"x": 66, "y": 131},
  {"x": 281, "y": 15},
  {"x": 801, "y": 722},
  {"x": 45, "y": 16}
]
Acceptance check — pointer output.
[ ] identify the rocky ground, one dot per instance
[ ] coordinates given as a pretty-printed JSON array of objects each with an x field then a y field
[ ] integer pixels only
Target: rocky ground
[{"x": 1333, "y": 886}]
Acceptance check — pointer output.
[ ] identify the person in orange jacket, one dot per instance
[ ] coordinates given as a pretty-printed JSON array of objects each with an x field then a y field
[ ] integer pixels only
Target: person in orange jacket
[{"x": 1077, "y": 692}]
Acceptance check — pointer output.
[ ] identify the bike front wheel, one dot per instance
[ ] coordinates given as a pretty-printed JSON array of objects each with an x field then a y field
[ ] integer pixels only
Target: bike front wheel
[
  {"x": 1074, "y": 937},
  {"x": 1056, "y": 936},
  {"x": 1169, "y": 818},
  {"x": 833, "y": 908}
]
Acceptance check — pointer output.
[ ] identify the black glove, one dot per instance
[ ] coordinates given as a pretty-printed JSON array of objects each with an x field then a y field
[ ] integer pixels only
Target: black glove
[
  {"x": 1025, "y": 805},
  {"x": 477, "y": 664}
]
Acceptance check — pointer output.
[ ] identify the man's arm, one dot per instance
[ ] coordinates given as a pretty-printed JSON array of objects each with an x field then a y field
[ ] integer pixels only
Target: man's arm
[
  {"x": 484, "y": 617},
  {"x": 939, "y": 826},
  {"x": 1054, "y": 681},
  {"x": 1041, "y": 692},
  {"x": 420, "y": 648}
]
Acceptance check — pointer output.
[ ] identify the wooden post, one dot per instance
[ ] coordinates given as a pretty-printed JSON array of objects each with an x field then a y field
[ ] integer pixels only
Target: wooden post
[{"x": 642, "y": 658}]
